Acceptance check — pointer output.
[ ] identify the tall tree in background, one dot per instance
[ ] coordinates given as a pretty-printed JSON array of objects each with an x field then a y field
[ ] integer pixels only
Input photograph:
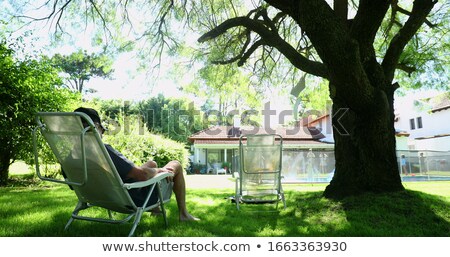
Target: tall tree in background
[
  {"x": 277, "y": 38},
  {"x": 80, "y": 67},
  {"x": 176, "y": 118}
]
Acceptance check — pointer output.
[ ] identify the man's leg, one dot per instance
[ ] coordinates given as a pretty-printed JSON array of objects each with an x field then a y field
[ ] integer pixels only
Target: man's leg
[
  {"x": 150, "y": 164},
  {"x": 179, "y": 188}
]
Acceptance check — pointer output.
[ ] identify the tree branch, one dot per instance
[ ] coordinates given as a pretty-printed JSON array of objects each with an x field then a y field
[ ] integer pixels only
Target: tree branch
[
  {"x": 105, "y": 26},
  {"x": 421, "y": 9},
  {"x": 283, "y": 5},
  {"x": 341, "y": 8},
  {"x": 396, "y": 7},
  {"x": 250, "y": 51},
  {"x": 368, "y": 19},
  {"x": 56, "y": 13},
  {"x": 240, "y": 55},
  {"x": 272, "y": 39},
  {"x": 339, "y": 51},
  {"x": 406, "y": 68}
]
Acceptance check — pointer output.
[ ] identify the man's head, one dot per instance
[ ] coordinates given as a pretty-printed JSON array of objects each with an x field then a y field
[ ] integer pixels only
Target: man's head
[{"x": 93, "y": 114}]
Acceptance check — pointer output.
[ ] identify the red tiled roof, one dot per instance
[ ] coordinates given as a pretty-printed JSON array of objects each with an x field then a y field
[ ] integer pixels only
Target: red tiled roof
[
  {"x": 439, "y": 102},
  {"x": 443, "y": 104},
  {"x": 236, "y": 141},
  {"x": 230, "y": 133},
  {"x": 315, "y": 121}
]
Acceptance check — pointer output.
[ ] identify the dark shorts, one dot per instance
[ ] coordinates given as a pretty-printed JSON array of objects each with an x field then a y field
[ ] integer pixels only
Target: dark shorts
[{"x": 138, "y": 195}]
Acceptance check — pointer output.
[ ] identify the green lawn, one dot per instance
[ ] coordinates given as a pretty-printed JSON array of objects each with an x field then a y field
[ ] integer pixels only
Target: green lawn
[{"x": 30, "y": 209}]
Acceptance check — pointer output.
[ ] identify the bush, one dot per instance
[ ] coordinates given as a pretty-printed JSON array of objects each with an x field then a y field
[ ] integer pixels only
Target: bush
[
  {"x": 27, "y": 86},
  {"x": 141, "y": 148}
]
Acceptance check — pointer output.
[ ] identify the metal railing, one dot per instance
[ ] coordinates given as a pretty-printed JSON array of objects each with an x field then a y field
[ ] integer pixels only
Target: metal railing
[{"x": 317, "y": 166}]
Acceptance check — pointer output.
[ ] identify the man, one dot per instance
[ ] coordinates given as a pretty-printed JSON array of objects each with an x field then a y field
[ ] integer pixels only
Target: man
[{"x": 131, "y": 173}]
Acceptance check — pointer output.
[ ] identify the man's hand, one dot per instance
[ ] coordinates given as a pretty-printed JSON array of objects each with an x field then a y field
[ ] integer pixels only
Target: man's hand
[
  {"x": 167, "y": 169},
  {"x": 148, "y": 171},
  {"x": 151, "y": 172}
]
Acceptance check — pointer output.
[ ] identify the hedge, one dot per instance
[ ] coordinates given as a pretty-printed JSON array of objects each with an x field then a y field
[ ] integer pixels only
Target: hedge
[{"x": 141, "y": 148}]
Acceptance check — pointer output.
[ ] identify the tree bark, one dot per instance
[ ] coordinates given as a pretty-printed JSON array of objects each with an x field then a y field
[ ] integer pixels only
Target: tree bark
[
  {"x": 5, "y": 163},
  {"x": 366, "y": 157}
]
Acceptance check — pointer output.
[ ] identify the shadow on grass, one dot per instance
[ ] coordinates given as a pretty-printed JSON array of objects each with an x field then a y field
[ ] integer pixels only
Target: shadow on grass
[
  {"x": 44, "y": 212},
  {"x": 408, "y": 213}
]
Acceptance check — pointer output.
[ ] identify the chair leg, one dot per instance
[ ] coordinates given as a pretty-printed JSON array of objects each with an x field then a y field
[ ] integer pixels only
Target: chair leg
[
  {"x": 284, "y": 200},
  {"x": 80, "y": 206},
  {"x": 137, "y": 219},
  {"x": 68, "y": 223},
  {"x": 161, "y": 201},
  {"x": 237, "y": 196}
]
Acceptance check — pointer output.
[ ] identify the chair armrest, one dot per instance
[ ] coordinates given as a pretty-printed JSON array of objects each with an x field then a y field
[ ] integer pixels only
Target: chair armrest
[{"x": 140, "y": 184}]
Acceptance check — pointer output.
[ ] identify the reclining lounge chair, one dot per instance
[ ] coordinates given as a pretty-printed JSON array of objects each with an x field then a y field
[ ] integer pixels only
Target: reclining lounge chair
[{"x": 89, "y": 170}]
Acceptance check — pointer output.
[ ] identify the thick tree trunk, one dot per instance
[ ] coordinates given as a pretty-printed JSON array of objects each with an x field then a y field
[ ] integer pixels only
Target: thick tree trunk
[
  {"x": 366, "y": 156},
  {"x": 5, "y": 162}
]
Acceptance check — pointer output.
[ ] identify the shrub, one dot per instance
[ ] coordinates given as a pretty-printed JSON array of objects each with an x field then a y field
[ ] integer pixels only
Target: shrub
[{"x": 139, "y": 148}]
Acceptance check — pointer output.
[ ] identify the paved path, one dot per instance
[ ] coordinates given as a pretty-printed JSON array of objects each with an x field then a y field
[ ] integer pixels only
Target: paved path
[{"x": 209, "y": 181}]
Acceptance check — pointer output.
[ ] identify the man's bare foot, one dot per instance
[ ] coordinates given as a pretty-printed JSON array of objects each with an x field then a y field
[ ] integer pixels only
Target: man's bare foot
[{"x": 188, "y": 217}]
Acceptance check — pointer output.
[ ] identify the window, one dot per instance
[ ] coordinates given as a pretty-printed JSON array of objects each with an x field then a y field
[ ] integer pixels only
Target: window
[
  {"x": 419, "y": 122},
  {"x": 412, "y": 124}
]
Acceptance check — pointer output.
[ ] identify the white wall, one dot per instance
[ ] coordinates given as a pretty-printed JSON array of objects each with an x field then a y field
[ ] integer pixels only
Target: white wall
[
  {"x": 199, "y": 155},
  {"x": 436, "y": 123},
  {"x": 436, "y": 143}
]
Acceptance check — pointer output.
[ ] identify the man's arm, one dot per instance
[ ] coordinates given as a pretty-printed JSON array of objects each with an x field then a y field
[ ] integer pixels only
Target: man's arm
[
  {"x": 145, "y": 173},
  {"x": 142, "y": 173}
]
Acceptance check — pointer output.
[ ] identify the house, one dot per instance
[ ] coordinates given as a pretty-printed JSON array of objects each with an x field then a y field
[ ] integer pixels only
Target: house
[
  {"x": 308, "y": 148},
  {"x": 323, "y": 124},
  {"x": 219, "y": 144},
  {"x": 426, "y": 120}
]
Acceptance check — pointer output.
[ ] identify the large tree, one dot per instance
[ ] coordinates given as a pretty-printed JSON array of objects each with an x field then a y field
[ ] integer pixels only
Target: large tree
[
  {"x": 360, "y": 78},
  {"x": 357, "y": 56}
]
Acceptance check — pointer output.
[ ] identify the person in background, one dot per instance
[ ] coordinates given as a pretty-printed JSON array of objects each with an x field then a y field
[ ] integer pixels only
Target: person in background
[{"x": 403, "y": 165}]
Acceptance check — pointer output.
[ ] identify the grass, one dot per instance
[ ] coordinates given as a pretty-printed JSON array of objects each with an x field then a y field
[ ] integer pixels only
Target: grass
[{"x": 31, "y": 208}]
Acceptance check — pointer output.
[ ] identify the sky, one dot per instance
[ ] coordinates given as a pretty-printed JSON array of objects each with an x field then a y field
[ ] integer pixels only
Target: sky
[{"x": 128, "y": 82}]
